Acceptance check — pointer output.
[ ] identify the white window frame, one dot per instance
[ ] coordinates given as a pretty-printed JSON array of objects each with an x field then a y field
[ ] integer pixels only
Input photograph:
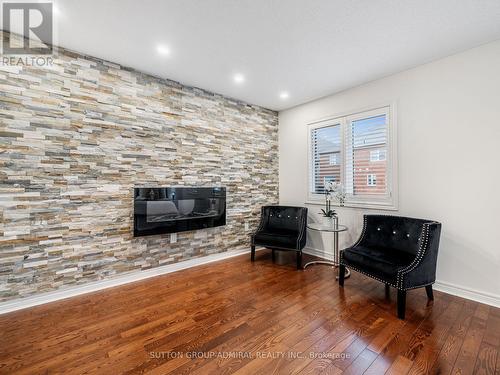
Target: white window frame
[{"x": 389, "y": 202}]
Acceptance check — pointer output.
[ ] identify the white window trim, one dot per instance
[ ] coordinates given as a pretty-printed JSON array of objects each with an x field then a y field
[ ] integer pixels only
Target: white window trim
[{"x": 390, "y": 203}]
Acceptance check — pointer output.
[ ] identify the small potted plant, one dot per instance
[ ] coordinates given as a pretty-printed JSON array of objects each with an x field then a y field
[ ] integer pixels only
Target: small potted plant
[{"x": 327, "y": 212}]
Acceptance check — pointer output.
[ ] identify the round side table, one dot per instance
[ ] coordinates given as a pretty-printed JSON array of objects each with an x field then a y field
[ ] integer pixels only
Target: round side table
[{"x": 319, "y": 227}]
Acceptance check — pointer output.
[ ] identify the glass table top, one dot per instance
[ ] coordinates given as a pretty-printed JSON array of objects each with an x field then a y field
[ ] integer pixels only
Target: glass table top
[{"x": 326, "y": 227}]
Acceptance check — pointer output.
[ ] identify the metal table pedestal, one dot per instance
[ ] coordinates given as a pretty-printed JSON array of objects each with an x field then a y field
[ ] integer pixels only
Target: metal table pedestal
[{"x": 335, "y": 230}]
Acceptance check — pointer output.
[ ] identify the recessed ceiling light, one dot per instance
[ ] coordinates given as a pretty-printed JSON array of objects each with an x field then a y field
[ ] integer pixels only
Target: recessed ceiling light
[
  {"x": 163, "y": 50},
  {"x": 239, "y": 78},
  {"x": 284, "y": 95}
]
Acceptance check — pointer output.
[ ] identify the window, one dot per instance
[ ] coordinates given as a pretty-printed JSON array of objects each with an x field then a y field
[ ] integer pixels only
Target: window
[
  {"x": 355, "y": 150},
  {"x": 377, "y": 155},
  {"x": 334, "y": 159},
  {"x": 371, "y": 180},
  {"x": 325, "y": 142}
]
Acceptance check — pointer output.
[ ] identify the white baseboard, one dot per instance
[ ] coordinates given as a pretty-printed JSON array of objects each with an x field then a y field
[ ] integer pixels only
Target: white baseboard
[
  {"x": 57, "y": 295},
  {"x": 474, "y": 295},
  {"x": 442, "y": 286},
  {"x": 318, "y": 253}
]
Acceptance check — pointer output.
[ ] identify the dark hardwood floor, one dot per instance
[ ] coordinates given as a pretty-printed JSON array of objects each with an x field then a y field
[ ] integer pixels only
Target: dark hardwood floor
[{"x": 262, "y": 318}]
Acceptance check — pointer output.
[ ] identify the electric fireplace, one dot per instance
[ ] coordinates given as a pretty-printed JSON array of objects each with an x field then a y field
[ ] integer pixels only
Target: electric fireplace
[{"x": 178, "y": 209}]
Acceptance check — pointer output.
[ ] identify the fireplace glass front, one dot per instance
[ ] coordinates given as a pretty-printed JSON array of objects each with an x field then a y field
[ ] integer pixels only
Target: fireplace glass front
[{"x": 178, "y": 209}]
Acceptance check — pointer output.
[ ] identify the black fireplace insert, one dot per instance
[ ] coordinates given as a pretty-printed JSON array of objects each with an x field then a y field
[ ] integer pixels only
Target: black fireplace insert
[{"x": 178, "y": 209}]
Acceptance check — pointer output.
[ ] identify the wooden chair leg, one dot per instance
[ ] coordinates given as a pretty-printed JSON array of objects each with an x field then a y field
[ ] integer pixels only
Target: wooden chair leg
[
  {"x": 341, "y": 275},
  {"x": 401, "y": 304},
  {"x": 273, "y": 255},
  {"x": 252, "y": 257},
  {"x": 430, "y": 294},
  {"x": 299, "y": 260},
  {"x": 387, "y": 291}
]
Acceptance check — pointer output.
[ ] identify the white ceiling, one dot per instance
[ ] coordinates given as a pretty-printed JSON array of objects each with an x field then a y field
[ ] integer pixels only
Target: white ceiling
[{"x": 309, "y": 48}]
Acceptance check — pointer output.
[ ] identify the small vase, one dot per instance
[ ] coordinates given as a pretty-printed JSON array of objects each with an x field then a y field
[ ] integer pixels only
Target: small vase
[{"x": 331, "y": 221}]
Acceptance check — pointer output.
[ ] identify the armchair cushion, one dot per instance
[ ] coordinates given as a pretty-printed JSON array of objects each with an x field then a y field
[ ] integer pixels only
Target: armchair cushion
[
  {"x": 383, "y": 263},
  {"x": 280, "y": 238}
]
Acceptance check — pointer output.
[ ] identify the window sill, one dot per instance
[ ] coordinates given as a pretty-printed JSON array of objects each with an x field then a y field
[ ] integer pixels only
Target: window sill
[{"x": 360, "y": 205}]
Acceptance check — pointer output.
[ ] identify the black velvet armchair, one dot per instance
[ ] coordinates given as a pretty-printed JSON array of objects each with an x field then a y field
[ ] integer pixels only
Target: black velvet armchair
[
  {"x": 281, "y": 228},
  {"x": 398, "y": 251}
]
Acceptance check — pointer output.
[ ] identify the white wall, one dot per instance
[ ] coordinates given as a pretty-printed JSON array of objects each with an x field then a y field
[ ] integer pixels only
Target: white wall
[{"x": 448, "y": 121}]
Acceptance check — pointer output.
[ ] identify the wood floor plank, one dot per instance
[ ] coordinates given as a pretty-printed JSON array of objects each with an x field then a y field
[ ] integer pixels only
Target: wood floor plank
[
  {"x": 400, "y": 366},
  {"x": 430, "y": 348},
  {"x": 486, "y": 360},
  {"x": 400, "y": 341},
  {"x": 271, "y": 318},
  {"x": 449, "y": 352},
  {"x": 361, "y": 363},
  {"x": 471, "y": 344}
]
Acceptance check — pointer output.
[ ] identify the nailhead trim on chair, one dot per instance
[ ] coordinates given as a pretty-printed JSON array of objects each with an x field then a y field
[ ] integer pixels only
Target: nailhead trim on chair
[
  {"x": 302, "y": 231},
  {"x": 385, "y": 281},
  {"x": 420, "y": 254},
  {"x": 261, "y": 225},
  {"x": 363, "y": 232},
  {"x": 367, "y": 274}
]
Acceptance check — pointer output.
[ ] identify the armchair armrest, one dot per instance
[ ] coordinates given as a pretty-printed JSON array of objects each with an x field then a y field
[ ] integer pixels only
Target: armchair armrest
[
  {"x": 263, "y": 221},
  {"x": 363, "y": 232},
  {"x": 422, "y": 271}
]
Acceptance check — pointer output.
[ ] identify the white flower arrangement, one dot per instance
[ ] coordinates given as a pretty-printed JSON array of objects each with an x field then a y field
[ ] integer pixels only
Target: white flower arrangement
[
  {"x": 336, "y": 191},
  {"x": 339, "y": 193}
]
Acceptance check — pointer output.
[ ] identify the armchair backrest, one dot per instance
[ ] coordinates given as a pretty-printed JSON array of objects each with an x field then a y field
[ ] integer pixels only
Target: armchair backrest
[
  {"x": 397, "y": 232},
  {"x": 284, "y": 217}
]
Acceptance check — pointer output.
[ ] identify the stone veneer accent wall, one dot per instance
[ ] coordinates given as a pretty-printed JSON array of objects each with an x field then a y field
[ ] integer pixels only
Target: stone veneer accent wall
[{"x": 74, "y": 141}]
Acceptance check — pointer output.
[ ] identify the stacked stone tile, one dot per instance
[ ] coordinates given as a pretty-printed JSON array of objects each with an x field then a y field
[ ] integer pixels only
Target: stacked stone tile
[{"x": 77, "y": 137}]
